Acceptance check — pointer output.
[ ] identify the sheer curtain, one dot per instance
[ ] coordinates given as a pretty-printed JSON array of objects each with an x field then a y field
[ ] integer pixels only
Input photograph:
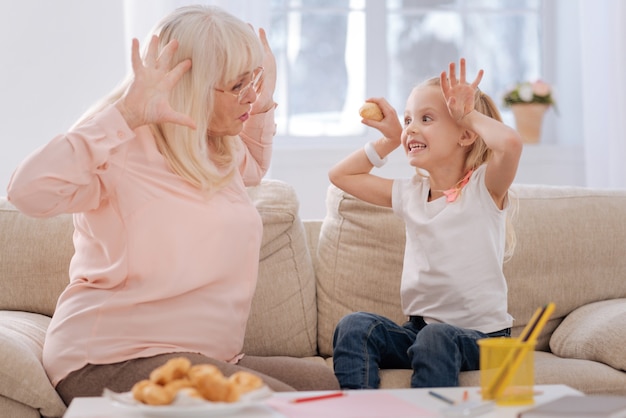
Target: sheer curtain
[{"x": 603, "y": 37}]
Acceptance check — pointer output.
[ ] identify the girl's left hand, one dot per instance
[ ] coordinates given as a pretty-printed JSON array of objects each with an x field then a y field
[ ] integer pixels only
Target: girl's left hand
[
  {"x": 267, "y": 84},
  {"x": 459, "y": 95}
]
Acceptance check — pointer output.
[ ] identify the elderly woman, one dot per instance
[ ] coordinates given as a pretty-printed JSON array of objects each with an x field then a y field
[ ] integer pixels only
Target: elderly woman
[{"x": 166, "y": 239}]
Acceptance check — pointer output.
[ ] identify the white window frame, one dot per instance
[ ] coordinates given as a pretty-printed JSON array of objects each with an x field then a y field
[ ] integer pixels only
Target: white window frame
[{"x": 377, "y": 74}]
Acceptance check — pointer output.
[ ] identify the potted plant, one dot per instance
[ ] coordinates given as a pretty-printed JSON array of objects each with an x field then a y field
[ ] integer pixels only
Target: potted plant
[{"x": 529, "y": 101}]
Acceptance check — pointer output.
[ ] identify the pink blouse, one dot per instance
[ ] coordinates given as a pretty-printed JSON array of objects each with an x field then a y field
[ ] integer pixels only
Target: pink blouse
[{"x": 158, "y": 267}]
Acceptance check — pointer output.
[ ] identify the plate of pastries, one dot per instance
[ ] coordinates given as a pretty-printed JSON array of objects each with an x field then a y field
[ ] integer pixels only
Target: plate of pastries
[{"x": 180, "y": 389}]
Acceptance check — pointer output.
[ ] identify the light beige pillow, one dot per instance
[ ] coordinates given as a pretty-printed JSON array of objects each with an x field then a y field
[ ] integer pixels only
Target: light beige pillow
[
  {"x": 283, "y": 320},
  {"x": 358, "y": 263},
  {"x": 22, "y": 376},
  {"x": 596, "y": 331},
  {"x": 36, "y": 255}
]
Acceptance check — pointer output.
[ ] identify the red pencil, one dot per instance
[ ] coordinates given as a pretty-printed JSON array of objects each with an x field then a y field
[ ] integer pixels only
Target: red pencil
[{"x": 318, "y": 397}]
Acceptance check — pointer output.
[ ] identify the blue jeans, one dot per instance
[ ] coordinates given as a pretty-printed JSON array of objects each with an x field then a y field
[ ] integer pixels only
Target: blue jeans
[{"x": 364, "y": 342}]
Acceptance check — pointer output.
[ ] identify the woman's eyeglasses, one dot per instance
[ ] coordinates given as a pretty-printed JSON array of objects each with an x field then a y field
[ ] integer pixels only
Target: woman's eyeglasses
[{"x": 241, "y": 92}]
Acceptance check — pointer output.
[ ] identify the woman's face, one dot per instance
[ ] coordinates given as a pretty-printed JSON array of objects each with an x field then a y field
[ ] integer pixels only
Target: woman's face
[{"x": 232, "y": 103}]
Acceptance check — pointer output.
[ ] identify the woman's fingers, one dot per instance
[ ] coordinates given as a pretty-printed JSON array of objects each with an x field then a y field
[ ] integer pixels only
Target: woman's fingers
[
  {"x": 267, "y": 84},
  {"x": 147, "y": 98},
  {"x": 175, "y": 74},
  {"x": 165, "y": 58},
  {"x": 151, "y": 55},
  {"x": 135, "y": 58},
  {"x": 182, "y": 119},
  {"x": 269, "y": 61}
]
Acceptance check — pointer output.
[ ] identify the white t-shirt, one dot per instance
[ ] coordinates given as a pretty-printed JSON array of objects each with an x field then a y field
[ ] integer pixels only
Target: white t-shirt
[{"x": 454, "y": 253}]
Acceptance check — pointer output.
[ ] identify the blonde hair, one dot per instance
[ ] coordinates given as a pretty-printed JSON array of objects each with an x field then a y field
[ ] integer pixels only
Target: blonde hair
[
  {"x": 221, "y": 47},
  {"x": 478, "y": 154}
]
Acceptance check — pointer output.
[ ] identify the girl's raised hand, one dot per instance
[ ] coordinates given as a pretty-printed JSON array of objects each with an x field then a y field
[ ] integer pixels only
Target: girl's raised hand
[
  {"x": 147, "y": 98},
  {"x": 390, "y": 125},
  {"x": 458, "y": 94}
]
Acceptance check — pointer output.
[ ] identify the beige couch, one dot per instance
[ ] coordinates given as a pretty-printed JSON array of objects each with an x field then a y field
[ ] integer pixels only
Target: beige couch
[{"x": 571, "y": 250}]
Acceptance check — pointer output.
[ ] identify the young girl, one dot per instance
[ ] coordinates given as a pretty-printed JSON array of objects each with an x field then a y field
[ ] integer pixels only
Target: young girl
[{"x": 453, "y": 288}]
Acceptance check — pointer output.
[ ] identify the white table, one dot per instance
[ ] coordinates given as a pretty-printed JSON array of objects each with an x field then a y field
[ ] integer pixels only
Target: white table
[{"x": 98, "y": 407}]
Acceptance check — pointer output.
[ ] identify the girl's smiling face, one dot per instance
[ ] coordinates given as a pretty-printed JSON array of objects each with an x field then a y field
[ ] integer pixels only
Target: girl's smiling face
[{"x": 430, "y": 136}]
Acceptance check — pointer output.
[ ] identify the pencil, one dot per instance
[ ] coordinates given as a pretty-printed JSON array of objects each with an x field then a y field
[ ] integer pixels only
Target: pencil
[
  {"x": 441, "y": 397},
  {"x": 318, "y": 397},
  {"x": 541, "y": 322},
  {"x": 531, "y": 324}
]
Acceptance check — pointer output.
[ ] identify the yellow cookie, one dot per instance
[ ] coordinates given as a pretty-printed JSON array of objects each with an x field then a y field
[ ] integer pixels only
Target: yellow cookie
[{"x": 371, "y": 111}]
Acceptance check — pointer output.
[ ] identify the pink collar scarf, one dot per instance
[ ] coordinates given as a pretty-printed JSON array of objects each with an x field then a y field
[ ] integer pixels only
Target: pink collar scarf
[{"x": 452, "y": 193}]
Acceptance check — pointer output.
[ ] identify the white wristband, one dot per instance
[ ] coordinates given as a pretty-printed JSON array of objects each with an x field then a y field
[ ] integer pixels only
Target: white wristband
[{"x": 373, "y": 156}]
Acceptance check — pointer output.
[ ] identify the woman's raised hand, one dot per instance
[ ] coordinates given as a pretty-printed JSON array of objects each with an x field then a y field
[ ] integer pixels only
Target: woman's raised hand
[
  {"x": 147, "y": 98},
  {"x": 267, "y": 84},
  {"x": 458, "y": 94}
]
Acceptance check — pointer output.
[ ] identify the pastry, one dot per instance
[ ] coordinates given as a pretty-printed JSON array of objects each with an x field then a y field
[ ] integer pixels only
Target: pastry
[
  {"x": 245, "y": 381},
  {"x": 371, "y": 111},
  {"x": 204, "y": 381},
  {"x": 214, "y": 387},
  {"x": 152, "y": 393},
  {"x": 174, "y": 369}
]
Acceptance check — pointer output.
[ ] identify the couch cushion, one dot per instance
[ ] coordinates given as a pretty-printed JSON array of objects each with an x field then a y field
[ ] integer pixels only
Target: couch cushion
[
  {"x": 35, "y": 259},
  {"x": 570, "y": 245},
  {"x": 358, "y": 263},
  {"x": 587, "y": 376},
  {"x": 594, "y": 332},
  {"x": 22, "y": 376},
  {"x": 283, "y": 320}
]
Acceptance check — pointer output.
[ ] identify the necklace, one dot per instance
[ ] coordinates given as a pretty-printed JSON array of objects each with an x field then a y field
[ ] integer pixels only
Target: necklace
[{"x": 453, "y": 192}]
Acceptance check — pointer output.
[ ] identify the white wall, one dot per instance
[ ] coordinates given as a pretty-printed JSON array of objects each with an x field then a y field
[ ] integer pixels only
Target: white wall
[{"x": 58, "y": 57}]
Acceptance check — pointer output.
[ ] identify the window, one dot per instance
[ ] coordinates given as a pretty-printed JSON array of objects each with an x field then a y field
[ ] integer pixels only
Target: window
[{"x": 333, "y": 54}]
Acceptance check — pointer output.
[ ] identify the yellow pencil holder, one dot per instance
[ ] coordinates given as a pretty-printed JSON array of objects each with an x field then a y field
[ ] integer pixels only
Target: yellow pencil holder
[{"x": 507, "y": 370}]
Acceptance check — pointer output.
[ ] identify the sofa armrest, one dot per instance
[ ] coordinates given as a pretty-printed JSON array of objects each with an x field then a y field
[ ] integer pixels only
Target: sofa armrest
[{"x": 22, "y": 376}]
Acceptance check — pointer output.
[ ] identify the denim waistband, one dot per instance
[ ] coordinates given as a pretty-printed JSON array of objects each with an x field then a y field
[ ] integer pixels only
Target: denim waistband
[{"x": 419, "y": 323}]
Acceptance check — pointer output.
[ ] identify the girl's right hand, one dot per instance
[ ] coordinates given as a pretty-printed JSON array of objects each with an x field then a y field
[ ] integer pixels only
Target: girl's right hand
[
  {"x": 390, "y": 125},
  {"x": 146, "y": 100}
]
